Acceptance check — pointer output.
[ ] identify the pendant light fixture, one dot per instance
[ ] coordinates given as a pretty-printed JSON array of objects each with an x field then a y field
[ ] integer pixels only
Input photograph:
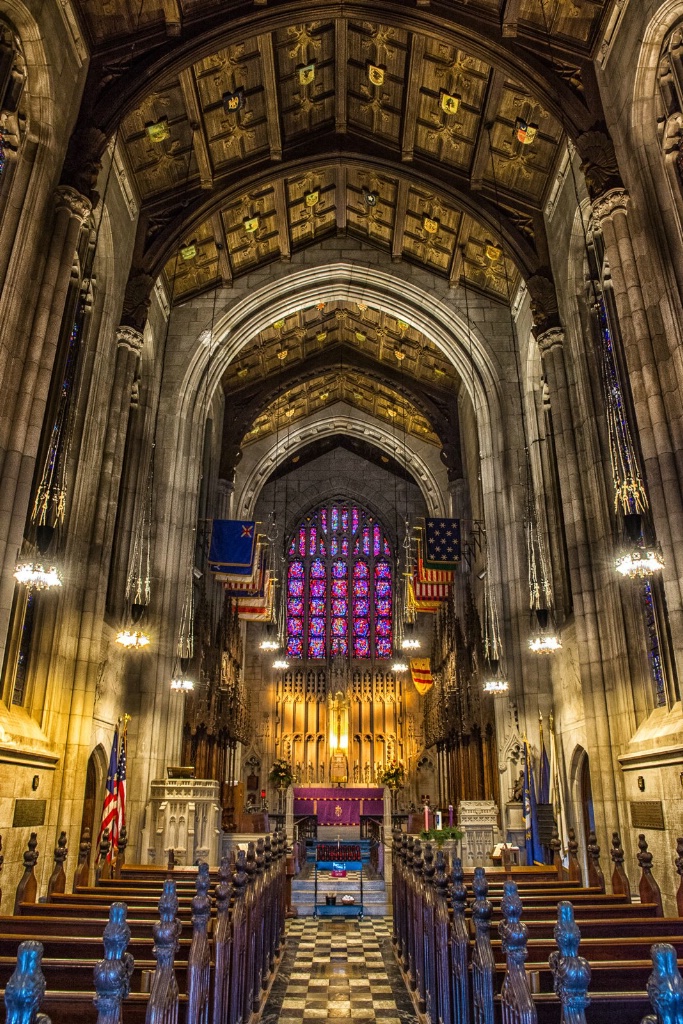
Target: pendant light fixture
[{"x": 495, "y": 677}]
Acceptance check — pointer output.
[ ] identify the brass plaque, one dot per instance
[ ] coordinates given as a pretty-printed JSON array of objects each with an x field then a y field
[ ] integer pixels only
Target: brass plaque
[
  {"x": 28, "y": 813},
  {"x": 647, "y": 814}
]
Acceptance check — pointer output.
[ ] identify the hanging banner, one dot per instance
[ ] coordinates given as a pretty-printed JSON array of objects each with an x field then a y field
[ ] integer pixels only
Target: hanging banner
[
  {"x": 442, "y": 543},
  {"x": 233, "y": 545},
  {"x": 421, "y": 673}
]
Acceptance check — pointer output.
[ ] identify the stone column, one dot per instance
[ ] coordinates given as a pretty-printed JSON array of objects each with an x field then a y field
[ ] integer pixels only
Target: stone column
[
  {"x": 24, "y": 413},
  {"x": 225, "y": 490},
  {"x": 95, "y": 572},
  {"x": 581, "y": 566},
  {"x": 661, "y": 449}
]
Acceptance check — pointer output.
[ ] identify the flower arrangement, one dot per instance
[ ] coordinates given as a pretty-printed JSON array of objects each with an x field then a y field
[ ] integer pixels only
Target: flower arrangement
[
  {"x": 393, "y": 776},
  {"x": 281, "y": 773},
  {"x": 440, "y": 835}
]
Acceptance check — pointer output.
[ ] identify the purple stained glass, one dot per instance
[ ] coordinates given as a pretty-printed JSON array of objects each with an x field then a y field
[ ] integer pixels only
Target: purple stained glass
[
  {"x": 318, "y": 569},
  {"x": 382, "y": 588},
  {"x": 382, "y": 571},
  {"x": 334, "y": 519},
  {"x": 354, "y": 520},
  {"x": 312, "y": 540},
  {"x": 383, "y": 647},
  {"x": 376, "y": 540},
  {"x": 339, "y": 570},
  {"x": 387, "y": 548},
  {"x": 302, "y": 541},
  {"x": 295, "y": 625},
  {"x": 345, "y": 547},
  {"x": 383, "y": 627},
  {"x": 366, "y": 540},
  {"x": 295, "y": 647},
  {"x": 361, "y": 571},
  {"x": 295, "y": 588},
  {"x": 323, "y": 547},
  {"x": 361, "y": 627},
  {"x": 339, "y": 626},
  {"x": 334, "y": 546},
  {"x": 361, "y": 607},
  {"x": 339, "y": 606},
  {"x": 295, "y": 606},
  {"x": 316, "y": 647},
  {"x": 382, "y": 606},
  {"x": 296, "y": 571},
  {"x": 323, "y": 519},
  {"x": 339, "y": 588},
  {"x": 356, "y": 546},
  {"x": 345, "y": 520},
  {"x": 317, "y": 606},
  {"x": 292, "y": 546},
  {"x": 340, "y": 646},
  {"x": 316, "y": 626},
  {"x": 361, "y": 647},
  {"x": 317, "y": 588},
  {"x": 361, "y": 588}
]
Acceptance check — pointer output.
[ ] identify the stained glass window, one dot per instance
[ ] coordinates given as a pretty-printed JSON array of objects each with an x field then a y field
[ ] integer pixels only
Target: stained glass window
[{"x": 339, "y": 589}]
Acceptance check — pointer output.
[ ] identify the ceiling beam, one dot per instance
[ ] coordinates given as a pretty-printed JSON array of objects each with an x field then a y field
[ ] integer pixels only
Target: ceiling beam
[
  {"x": 341, "y": 65},
  {"x": 341, "y": 203},
  {"x": 417, "y": 52},
  {"x": 265, "y": 43},
  {"x": 173, "y": 17},
  {"x": 510, "y": 18},
  {"x": 482, "y": 156},
  {"x": 464, "y": 229},
  {"x": 222, "y": 248},
  {"x": 282, "y": 214},
  {"x": 400, "y": 220},
  {"x": 194, "y": 115}
]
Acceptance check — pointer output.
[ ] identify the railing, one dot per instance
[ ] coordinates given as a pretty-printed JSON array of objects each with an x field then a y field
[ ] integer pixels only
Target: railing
[
  {"x": 370, "y": 826},
  {"x": 306, "y": 827},
  {"x": 399, "y": 822}
]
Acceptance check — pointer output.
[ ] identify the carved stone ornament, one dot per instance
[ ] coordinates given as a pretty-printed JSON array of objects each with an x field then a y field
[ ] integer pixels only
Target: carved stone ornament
[
  {"x": 83, "y": 161},
  {"x": 543, "y": 301},
  {"x": 137, "y": 300},
  {"x": 548, "y": 340},
  {"x": 513, "y": 745},
  {"x": 598, "y": 162},
  {"x": 67, "y": 198},
  {"x": 129, "y": 337},
  {"x": 605, "y": 206}
]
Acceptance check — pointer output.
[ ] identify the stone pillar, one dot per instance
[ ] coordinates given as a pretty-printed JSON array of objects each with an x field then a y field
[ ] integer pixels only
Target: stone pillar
[
  {"x": 24, "y": 413},
  {"x": 88, "y": 604},
  {"x": 661, "y": 449},
  {"x": 225, "y": 490},
  {"x": 581, "y": 566}
]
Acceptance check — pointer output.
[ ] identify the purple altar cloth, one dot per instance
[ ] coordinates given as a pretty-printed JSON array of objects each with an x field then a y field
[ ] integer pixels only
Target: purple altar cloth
[{"x": 338, "y": 806}]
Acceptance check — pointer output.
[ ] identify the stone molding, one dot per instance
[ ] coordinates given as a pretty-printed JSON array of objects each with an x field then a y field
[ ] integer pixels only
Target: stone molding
[
  {"x": 605, "y": 206},
  {"x": 548, "y": 340},
  {"x": 68, "y": 198},
  {"x": 128, "y": 337}
]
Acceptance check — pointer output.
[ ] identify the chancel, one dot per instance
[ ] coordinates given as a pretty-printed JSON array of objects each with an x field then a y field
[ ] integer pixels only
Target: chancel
[{"x": 341, "y": 510}]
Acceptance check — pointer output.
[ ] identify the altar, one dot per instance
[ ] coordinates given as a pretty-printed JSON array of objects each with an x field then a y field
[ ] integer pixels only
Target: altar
[{"x": 335, "y": 806}]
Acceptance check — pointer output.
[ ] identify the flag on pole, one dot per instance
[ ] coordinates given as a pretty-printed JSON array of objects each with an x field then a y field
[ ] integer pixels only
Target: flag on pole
[
  {"x": 544, "y": 775},
  {"x": 233, "y": 545},
  {"x": 109, "y": 807},
  {"x": 425, "y": 575},
  {"x": 442, "y": 543},
  {"x": 121, "y": 782},
  {"x": 555, "y": 796},
  {"x": 534, "y": 850},
  {"x": 421, "y": 673}
]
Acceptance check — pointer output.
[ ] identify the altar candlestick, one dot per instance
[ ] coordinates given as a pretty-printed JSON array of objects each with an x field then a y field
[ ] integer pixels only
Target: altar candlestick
[
  {"x": 426, "y": 817},
  {"x": 450, "y": 815}
]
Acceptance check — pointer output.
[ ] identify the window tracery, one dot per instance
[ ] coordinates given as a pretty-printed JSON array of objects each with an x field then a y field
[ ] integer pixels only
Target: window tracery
[{"x": 340, "y": 586}]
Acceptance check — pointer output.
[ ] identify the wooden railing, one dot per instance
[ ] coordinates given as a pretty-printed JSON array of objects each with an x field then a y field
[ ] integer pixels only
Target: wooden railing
[{"x": 306, "y": 827}]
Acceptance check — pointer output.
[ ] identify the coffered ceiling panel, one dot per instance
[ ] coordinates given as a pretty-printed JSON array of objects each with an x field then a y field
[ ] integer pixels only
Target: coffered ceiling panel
[
  {"x": 377, "y": 70},
  {"x": 305, "y": 68}
]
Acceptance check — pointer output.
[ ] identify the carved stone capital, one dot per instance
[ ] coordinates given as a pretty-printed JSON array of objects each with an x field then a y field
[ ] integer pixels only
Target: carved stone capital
[
  {"x": 604, "y": 206},
  {"x": 68, "y": 198},
  {"x": 548, "y": 340},
  {"x": 128, "y": 337}
]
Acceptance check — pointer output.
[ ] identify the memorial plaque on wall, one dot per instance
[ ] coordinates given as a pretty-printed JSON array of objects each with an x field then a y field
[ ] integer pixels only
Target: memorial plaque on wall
[
  {"x": 28, "y": 813},
  {"x": 647, "y": 814}
]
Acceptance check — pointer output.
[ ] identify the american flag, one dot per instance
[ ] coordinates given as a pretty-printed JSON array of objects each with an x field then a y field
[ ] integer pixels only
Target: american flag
[
  {"x": 121, "y": 786},
  {"x": 110, "y": 818},
  {"x": 442, "y": 543}
]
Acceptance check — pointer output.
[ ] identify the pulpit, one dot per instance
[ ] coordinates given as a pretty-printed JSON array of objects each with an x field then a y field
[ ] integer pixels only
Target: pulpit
[
  {"x": 478, "y": 819},
  {"x": 183, "y": 815}
]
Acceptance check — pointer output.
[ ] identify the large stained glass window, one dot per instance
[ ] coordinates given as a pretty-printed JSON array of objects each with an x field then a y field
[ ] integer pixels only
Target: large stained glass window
[{"x": 340, "y": 586}]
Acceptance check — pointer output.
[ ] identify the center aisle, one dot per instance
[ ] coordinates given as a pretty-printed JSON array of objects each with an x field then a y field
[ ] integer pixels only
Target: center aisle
[{"x": 339, "y": 969}]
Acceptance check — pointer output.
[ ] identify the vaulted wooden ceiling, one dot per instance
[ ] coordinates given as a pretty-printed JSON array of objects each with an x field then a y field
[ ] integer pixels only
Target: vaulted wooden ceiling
[{"x": 400, "y": 138}]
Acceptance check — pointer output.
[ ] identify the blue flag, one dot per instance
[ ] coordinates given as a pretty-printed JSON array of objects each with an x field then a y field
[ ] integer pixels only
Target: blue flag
[
  {"x": 442, "y": 543},
  {"x": 534, "y": 850},
  {"x": 233, "y": 543},
  {"x": 544, "y": 780}
]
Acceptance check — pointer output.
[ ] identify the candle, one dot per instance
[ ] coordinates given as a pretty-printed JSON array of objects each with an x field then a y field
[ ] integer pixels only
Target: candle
[
  {"x": 426, "y": 817},
  {"x": 450, "y": 815},
  {"x": 439, "y": 825}
]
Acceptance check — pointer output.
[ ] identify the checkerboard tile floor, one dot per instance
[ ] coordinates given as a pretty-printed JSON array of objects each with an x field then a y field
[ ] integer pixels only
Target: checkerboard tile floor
[{"x": 339, "y": 969}]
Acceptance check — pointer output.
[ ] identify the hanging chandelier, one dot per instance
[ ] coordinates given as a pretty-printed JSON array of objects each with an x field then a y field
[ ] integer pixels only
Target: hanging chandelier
[
  {"x": 37, "y": 577},
  {"x": 133, "y": 639},
  {"x": 399, "y": 666},
  {"x": 496, "y": 687},
  {"x": 410, "y": 642},
  {"x": 281, "y": 664},
  {"x": 495, "y": 682},
  {"x": 638, "y": 560},
  {"x": 545, "y": 639},
  {"x": 182, "y": 685},
  {"x": 270, "y": 641}
]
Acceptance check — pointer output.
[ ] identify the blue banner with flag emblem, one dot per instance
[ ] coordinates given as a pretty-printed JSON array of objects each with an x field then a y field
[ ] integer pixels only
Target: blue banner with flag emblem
[
  {"x": 233, "y": 544},
  {"x": 442, "y": 543},
  {"x": 534, "y": 850}
]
